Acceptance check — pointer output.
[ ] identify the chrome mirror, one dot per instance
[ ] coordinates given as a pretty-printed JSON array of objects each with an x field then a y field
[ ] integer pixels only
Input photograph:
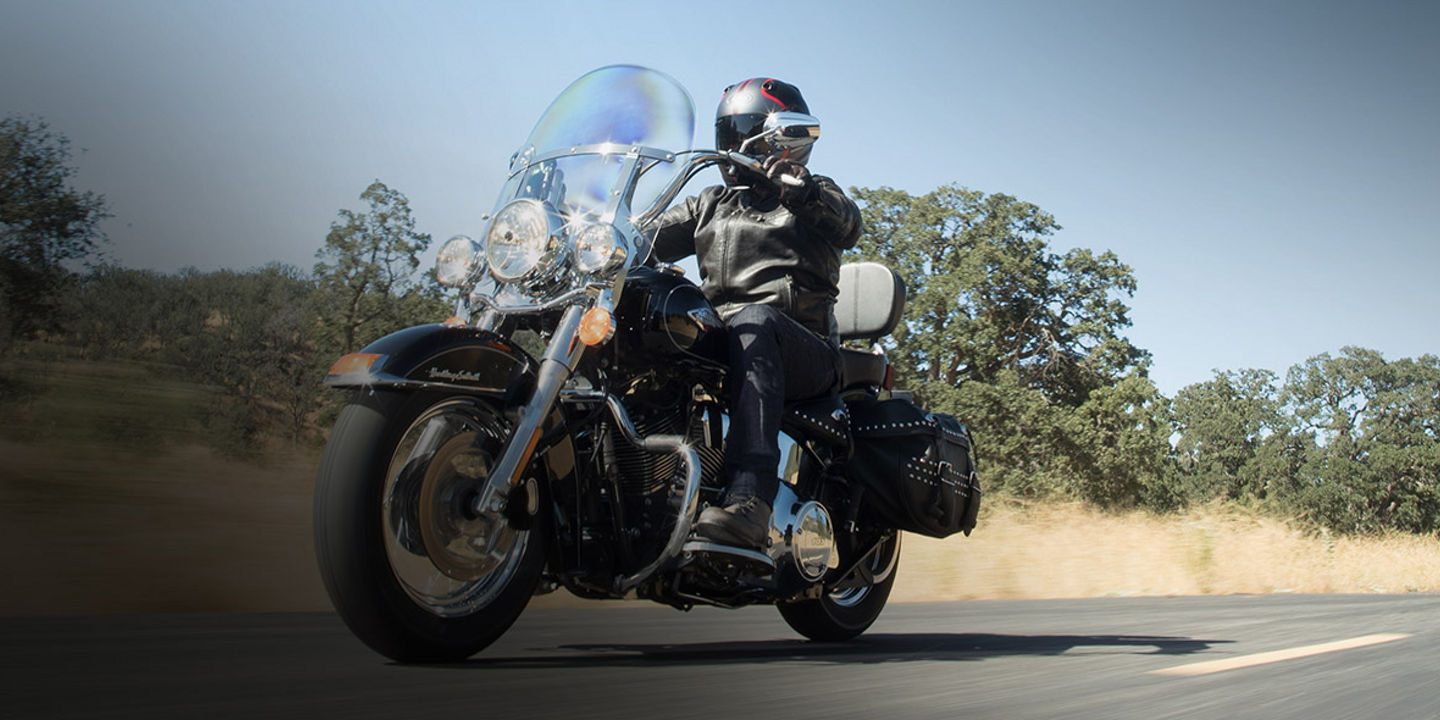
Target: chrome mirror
[
  {"x": 792, "y": 130},
  {"x": 786, "y": 131}
]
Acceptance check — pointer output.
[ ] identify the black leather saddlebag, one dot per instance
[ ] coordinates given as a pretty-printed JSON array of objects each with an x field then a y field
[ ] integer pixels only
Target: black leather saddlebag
[{"x": 916, "y": 467}]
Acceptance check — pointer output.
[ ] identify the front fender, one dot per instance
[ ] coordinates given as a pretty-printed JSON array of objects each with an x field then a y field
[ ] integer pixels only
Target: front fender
[{"x": 462, "y": 358}]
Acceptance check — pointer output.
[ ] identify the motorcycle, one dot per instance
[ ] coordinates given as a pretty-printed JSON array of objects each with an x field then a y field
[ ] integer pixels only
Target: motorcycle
[{"x": 565, "y": 428}]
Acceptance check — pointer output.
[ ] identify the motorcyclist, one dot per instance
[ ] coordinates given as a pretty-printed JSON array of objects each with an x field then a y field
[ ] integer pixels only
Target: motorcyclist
[{"x": 769, "y": 257}]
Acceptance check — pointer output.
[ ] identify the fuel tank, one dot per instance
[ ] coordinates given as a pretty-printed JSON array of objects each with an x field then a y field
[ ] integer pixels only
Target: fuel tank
[{"x": 663, "y": 317}]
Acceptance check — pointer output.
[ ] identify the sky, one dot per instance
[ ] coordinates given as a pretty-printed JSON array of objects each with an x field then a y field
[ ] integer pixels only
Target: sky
[{"x": 1269, "y": 170}]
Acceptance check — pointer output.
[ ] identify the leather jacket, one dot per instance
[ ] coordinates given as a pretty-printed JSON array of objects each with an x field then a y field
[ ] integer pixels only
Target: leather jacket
[{"x": 754, "y": 250}]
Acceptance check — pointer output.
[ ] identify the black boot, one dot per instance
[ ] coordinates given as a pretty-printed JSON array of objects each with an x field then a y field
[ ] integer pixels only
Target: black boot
[{"x": 743, "y": 523}]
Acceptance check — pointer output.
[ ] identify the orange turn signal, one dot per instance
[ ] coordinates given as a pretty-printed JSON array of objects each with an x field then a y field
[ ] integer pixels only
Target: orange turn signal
[
  {"x": 354, "y": 363},
  {"x": 596, "y": 326}
]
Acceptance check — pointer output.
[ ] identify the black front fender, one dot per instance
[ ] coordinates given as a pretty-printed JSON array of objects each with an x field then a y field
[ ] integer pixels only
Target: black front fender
[{"x": 461, "y": 358}]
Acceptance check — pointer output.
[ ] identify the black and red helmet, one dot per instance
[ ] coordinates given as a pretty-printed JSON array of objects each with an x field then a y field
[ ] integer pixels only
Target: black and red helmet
[{"x": 743, "y": 109}]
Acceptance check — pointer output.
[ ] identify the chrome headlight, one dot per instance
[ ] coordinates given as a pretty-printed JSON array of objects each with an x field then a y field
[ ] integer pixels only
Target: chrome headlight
[
  {"x": 598, "y": 247},
  {"x": 456, "y": 261},
  {"x": 522, "y": 237}
]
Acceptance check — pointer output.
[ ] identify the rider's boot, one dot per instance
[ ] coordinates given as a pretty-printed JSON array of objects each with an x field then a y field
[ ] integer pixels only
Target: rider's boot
[{"x": 743, "y": 522}]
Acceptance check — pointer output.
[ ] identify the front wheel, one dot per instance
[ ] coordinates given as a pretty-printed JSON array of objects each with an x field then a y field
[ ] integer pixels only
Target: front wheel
[
  {"x": 410, "y": 567},
  {"x": 851, "y": 608}
]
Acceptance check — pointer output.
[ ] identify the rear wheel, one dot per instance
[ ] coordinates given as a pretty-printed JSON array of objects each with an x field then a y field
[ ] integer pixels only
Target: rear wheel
[
  {"x": 852, "y": 606},
  {"x": 414, "y": 572}
]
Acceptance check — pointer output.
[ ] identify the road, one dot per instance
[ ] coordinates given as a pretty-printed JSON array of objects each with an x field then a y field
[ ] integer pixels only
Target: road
[{"x": 994, "y": 659}]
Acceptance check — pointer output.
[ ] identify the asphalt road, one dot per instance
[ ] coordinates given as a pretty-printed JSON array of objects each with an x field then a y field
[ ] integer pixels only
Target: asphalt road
[{"x": 997, "y": 659}]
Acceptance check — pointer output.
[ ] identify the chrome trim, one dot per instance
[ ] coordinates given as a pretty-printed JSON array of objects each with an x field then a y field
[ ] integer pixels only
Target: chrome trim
[
  {"x": 802, "y": 535},
  {"x": 621, "y": 149},
  {"x": 688, "y": 503},
  {"x": 489, "y": 319},
  {"x": 428, "y": 541},
  {"x": 489, "y": 303},
  {"x": 395, "y": 381},
  {"x": 855, "y": 583},
  {"x": 754, "y": 556}
]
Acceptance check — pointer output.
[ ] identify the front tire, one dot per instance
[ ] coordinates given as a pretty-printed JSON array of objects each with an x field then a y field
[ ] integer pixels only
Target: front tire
[
  {"x": 394, "y": 535},
  {"x": 846, "y": 612}
]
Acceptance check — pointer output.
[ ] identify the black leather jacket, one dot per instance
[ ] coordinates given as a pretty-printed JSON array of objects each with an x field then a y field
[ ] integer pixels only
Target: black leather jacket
[{"x": 753, "y": 250}]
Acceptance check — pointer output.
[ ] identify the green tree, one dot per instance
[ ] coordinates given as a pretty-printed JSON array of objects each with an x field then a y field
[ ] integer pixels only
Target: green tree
[
  {"x": 1023, "y": 444},
  {"x": 1020, "y": 342},
  {"x": 1121, "y": 433},
  {"x": 45, "y": 224},
  {"x": 124, "y": 312},
  {"x": 368, "y": 284},
  {"x": 1373, "y": 459},
  {"x": 1222, "y": 424},
  {"x": 253, "y": 335},
  {"x": 986, "y": 294}
]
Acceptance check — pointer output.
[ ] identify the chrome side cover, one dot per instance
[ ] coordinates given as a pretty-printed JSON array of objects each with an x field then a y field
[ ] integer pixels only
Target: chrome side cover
[{"x": 802, "y": 534}]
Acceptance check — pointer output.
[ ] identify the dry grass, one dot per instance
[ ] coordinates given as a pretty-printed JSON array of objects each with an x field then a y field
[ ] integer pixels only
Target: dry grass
[
  {"x": 1050, "y": 551},
  {"x": 90, "y": 529}
]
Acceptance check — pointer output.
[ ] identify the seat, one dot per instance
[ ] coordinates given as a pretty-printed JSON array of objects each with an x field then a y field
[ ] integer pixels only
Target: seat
[
  {"x": 862, "y": 367},
  {"x": 870, "y": 305}
]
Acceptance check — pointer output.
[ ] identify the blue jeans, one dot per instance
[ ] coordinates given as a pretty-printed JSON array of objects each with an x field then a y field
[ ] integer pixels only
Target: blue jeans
[{"x": 773, "y": 359}]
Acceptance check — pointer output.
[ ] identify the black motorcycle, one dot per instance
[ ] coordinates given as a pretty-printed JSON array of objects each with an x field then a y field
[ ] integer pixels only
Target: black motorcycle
[{"x": 566, "y": 426}]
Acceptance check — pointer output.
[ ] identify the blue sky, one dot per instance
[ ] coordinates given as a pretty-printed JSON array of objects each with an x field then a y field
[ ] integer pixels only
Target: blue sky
[{"x": 1270, "y": 170}]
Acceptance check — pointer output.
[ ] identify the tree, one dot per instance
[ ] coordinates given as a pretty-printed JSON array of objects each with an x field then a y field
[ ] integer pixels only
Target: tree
[
  {"x": 45, "y": 223},
  {"x": 1023, "y": 443},
  {"x": 1222, "y": 424},
  {"x": 1373, "y": 459},
  {"x": 1021, "y": 343},
  {"x": 252, "y": 334},
  {"x": 986, "y": 294},
  {"x": 367, "y": 279},
  {"x": 123, "y": 312},
  {"x": 1121, "y": 433}
]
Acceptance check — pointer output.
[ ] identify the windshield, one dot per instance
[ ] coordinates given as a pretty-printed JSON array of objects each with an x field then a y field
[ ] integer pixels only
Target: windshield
[{"x": 612, "y": 126}]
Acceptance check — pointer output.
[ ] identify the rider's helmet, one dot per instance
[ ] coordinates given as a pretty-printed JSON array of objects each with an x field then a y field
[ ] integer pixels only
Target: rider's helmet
[{"x": 742, "y": 112}]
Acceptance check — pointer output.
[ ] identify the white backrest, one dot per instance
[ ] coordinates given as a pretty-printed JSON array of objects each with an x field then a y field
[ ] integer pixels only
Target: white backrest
[{"x": 871, "y": 301}]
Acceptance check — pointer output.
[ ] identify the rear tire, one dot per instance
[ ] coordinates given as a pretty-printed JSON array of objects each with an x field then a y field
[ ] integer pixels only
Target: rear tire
[
  {"x": 845, "y": 613},
  {"x": 390, "y": 527}
]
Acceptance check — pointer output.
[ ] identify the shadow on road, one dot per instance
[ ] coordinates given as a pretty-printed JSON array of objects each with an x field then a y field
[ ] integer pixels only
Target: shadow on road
[{"x": 879, "y": 648}]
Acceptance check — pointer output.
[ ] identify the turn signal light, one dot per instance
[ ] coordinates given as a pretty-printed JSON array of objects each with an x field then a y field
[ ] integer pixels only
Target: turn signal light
[
  {"x": 354, "y": 363},
  {"x": 596, "y": 326}
]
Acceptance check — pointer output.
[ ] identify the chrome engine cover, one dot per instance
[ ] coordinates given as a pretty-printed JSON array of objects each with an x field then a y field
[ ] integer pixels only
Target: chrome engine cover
[{"x": 802, "y": 535}]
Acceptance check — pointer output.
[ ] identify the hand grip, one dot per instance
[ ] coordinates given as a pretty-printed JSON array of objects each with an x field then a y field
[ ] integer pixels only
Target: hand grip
[{"x": 754, "y": 166}]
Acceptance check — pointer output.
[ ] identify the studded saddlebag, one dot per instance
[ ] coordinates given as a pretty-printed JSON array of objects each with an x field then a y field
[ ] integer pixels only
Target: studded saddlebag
[{"x": 916, "y": 468}]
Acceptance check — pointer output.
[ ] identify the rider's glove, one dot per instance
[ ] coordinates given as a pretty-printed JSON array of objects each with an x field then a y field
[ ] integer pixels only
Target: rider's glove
[{"x": 777, "y": 168}]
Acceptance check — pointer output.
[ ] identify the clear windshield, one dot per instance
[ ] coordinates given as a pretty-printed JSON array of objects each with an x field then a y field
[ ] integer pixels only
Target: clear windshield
[{"x": 613, "y": 126}]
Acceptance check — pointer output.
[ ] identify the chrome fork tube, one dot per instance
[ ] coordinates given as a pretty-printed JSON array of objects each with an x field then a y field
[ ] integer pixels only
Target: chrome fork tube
[
  {"x": 658, "y": 444},
  {"x": 559, "y": 360}
]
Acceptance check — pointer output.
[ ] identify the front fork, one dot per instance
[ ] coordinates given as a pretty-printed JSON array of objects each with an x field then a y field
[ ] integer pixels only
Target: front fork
[{"x": 559, "y": 361}]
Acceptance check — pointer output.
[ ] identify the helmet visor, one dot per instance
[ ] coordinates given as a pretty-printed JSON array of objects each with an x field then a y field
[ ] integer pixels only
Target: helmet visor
[{"x": 733, "y": 130}]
